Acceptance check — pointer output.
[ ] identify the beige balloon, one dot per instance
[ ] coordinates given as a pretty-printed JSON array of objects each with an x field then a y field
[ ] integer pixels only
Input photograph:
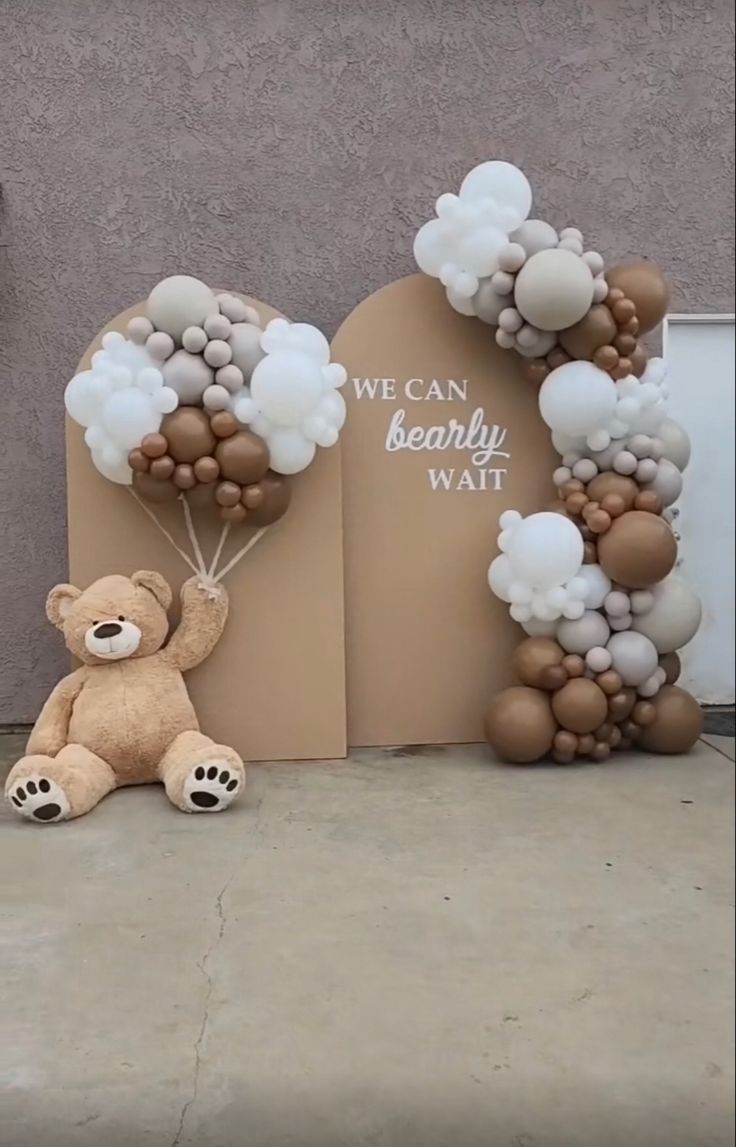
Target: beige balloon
[
  {"x": 553, "y": 290},
  {"x": 519, "y": 725}
]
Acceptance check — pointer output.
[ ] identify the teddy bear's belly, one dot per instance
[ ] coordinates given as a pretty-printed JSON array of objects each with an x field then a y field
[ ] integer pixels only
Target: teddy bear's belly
[{"x": 129, "y": 716}]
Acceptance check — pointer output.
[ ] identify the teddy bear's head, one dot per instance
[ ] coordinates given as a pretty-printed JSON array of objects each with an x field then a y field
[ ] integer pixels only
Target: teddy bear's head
[{"x": 115, "y": 617}]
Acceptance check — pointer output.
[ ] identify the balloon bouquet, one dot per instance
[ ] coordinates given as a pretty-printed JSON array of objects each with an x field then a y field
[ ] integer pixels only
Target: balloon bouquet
[
  {"x": 589, "y": 579},
  {"x": 197, "y": 404}
]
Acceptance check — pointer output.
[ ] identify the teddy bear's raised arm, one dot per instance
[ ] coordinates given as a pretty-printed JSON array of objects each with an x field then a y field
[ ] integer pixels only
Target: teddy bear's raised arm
[
  {"x": 51, "y": 730},
  {"x": 204, "y": 610}
]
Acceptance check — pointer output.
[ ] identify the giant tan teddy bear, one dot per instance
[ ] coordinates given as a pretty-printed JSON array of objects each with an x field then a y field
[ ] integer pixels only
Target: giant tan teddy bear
[{"x": 124, "y": 717}]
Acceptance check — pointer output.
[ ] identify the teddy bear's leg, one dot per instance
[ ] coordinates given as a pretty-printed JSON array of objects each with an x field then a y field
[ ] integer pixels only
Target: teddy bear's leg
[
  {"x": 200, "y": 776},
  {"x": 49, "y": 789}
]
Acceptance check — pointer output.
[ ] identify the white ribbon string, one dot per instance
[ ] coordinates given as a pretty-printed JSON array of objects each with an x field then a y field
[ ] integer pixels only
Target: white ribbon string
[
  {"x": 223, "y": 538},
  {"x": 184, "y": 556},
  {"x": 240, "y": 554},
  {"x": 197, "y": 549}
]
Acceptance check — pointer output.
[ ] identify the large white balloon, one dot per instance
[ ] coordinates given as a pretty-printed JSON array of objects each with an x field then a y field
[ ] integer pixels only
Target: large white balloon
[
  {"x": 286, "y": 386},
  {"x": 634, "y": 657},
  {"x": 545, "y": 550},
  {"x": 598, "y": 585},
  {"x": 128, "y": 416},
  {"x": 501, "y": 181},
  {"x": 588, "y": 632},
  {"x": 674, "y": 616},
  {"x": 85, "y": 396},
  {"x": 577, "y": 399},
  {"x": 290, "y": 451},
  {"x": 675, "y": 443}
]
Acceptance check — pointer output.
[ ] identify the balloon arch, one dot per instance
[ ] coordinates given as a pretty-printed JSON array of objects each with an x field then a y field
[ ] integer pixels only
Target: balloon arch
[{"x": 590, "y": 578}]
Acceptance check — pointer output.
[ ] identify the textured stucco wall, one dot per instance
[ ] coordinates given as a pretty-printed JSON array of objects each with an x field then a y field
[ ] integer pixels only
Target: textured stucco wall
[{"x": 291, "y": 148}]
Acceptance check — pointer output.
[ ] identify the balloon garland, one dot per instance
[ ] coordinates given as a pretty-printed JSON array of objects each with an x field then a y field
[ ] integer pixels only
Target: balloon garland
[
  {"x": 196, "y": 403},
  {"x": 589, "y": 579}
]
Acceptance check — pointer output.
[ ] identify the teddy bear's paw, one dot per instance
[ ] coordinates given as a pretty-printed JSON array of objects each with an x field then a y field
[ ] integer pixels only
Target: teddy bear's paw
[
  {"x": 211, "y": 786},
  {"x": 39, "y": 798}
]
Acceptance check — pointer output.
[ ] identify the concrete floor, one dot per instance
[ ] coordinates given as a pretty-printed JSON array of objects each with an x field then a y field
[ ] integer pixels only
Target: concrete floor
[{"x": 400, "y": 951}]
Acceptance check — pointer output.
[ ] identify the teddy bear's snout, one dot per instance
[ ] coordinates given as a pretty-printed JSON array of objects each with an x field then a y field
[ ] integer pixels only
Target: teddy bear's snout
[{"x": 108, "y": 629}]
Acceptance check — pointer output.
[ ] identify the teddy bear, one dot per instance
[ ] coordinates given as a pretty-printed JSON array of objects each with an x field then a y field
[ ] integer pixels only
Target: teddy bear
[{"x": 124, "y": 717}]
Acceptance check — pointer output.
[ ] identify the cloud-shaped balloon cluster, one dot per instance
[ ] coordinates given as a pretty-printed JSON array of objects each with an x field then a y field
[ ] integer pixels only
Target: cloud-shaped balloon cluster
[
  {"x": 120, "y": 400},
  {"x": 538, "y": 569},
  {"x": 293, "y": 400}
]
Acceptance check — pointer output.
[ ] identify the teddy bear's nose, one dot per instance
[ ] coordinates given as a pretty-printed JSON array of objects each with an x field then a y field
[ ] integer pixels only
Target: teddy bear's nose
[{"x": 108, "y": 629}]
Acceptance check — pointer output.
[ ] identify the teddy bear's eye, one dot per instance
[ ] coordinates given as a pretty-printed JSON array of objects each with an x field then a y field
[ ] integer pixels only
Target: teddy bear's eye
[{"x": 120, "y": 617}]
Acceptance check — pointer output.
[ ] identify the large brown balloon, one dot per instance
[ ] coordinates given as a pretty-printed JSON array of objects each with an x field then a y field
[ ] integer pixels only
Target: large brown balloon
[
  {"x": 608, "y": 483},
  {"x": 638, "y": 550},
  {"x": 645, "y": 285},
  {"x": 533, "y": 657},
  {"x": 243, "y": 457},
  {"x": 188, "y": 434},
  {"x": 580, "y": 706},
  {"x": 677, "y": 725},
  {"x": 152, "y": 491},
  {"x": 519, "y": 725},
  {"x": 275, "y": 502},
  {"x": 597, "y": 329}
]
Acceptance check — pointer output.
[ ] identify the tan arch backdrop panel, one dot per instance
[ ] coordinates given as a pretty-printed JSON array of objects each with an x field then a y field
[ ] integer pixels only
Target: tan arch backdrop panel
[
  {"x": 275, "y": 686},
  {"x": 442, "y": 435}
]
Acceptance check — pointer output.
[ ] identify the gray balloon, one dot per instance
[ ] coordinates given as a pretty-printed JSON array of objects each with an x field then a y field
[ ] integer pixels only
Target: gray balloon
[{"x": 675, "y": 442}]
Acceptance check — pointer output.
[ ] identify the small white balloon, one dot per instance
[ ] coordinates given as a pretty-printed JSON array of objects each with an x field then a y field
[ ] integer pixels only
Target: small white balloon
[
  {"x": 616, "y": 603},
  {"x": 139, "y": 328},
  {"x": 598, "y": 659},
  {"x": 500, "y": 577},
  {"x": 598, "y": 585},
  {"x": 216, "y": 397},
  {"x": 290, "y": 451},
  {"x": 217, "y": 353},
  {"x": 117, "y": 471},
  {"x": 194, "y": 339},
  {"x": 160, "y": 345},
  {"x": 217, "y": 326}
]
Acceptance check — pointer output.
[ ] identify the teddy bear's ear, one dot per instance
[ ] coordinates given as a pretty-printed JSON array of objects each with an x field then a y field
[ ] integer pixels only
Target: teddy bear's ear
[
  {"x": 155, "y": 584},
  {"x": 59, "y": 602}
]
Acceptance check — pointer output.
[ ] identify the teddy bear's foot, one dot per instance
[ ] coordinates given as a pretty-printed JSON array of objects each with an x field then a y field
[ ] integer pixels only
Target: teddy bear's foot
[
  {"x": 39, "y": 798},
  {"x": 211, "y": 786},
  {"x": 199, "y": 775}
]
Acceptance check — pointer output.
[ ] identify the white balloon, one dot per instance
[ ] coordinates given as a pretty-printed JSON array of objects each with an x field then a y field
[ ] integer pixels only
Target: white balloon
[
  {"x": 634, "y": 657},
  {"x": 577, "y": 398},
  {"x": 675, "y": 442},
  {"x": 429, "y": 247},
  {"x": 589, "y": 632},
  {"x": 535, "y": 235},
  {"x": 332, "y": 407},
  {"x": 291, "y": 452},
  {"x": 545, "y": 550},
  {"x": 287, "y": 386},
  {"x": 536, "y": 627},
  {"x": 674, "y": 616},
  {"x": 500, "y": 181},
  {"x": 598, "y": 585},
  {"x": 119, "y": 471},
  {"x": 128, "y": 416},
  {"x": 460, "y": 303},
  {"x": 84, "y": 400},
  {"x": 179, "y": 302},
  {"x": 500, "y": 577}
]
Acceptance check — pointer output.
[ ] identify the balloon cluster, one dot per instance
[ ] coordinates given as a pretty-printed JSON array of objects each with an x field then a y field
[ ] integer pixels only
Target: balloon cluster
[
  {"x": 590, "y": 579},
  {"x": 199, "y": 401}
]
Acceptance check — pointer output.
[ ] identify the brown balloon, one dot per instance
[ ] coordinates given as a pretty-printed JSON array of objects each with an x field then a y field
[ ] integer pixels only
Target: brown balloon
[
  {"x": 557, "y": 357},
  {"x": 138, "y": 461},
  {"x": 609, "y": 484},
  {"x": 207, "y": 469},
  {"x": 601, "y": 751},
  {"x": 227, "y": 494},
  {"x": 202, "y": 496},
  {"x": 519, "y": 724},
  {"x": 188, "y": 434},
  {"x": 606, "y": 357},
  {"x": 183, "y": 477},
  {"x": 566, "y": 742},
  {"x": 672, "y": 666},
  {"x": 638, "y": 550},
  {"x": 276, "y": 499},
  {"x": 223, "y": 424},
  {"x": 585, "y": 744},
  {"x": 677, "y": 724},
  {"x": 243, "y": 457},
  {"x": 638, "y": 358},
  {"x": 234, "y": 514},
  {"x": 610, "y": 682},
  {"x": 536, "y": 370},
  {"x": 649, "y": 502},
  {"x": 580, "y": 706},
  {"x": 645, "y": 285},
  {"x": 573, "y": 665},
  {"x": 644, "y": 713},
  {"x": 152, "y": 491},
  {"x": 533, "y": 656},
  {"x": 154, "y": 445},
  {"x": 621, "y": 704},
  {"x": 162, "y": 468},
  {"x": 595, "y": 330},
  {"x": 553, "y": 677}
]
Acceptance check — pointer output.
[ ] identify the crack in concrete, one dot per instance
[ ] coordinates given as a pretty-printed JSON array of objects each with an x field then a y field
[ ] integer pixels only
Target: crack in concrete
[{"x": 203, "y": 966}]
